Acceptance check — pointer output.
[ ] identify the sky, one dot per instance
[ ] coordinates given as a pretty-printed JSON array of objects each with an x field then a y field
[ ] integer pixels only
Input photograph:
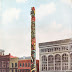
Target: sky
[{"x": 53, "y": 22}]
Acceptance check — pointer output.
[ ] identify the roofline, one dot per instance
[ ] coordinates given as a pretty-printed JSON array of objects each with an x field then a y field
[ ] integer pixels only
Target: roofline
[
  {"x": 1, "y": 50},
  {"x": 55, "y": 42},
  {"x": 25, "y": 59},
  {"x": 14, "y": 57}
]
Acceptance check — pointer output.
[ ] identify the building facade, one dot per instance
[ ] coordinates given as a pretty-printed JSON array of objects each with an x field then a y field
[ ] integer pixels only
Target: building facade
[
  {"x": 55, "y": 56},
  {"x": 13, "y": 64},
  {"x": 4, "y": 63},
  {"x": 8, "y": 63},
  {"x": 25, "y": 65}
]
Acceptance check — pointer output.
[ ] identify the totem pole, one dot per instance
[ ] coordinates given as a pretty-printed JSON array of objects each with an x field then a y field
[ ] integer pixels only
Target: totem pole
[{"x": 33, "y": 41}]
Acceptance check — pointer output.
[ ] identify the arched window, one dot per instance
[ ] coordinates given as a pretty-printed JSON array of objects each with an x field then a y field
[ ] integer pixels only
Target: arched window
[
  {"x": 71, "y": 61},
  {"x": 15, "y": 64},
  {"x": 44, "y": 58},
  {"x": 20, "y": 64},
  {"x": 12, "y": 65},
  {"x": 23, "y": 64},
  {"x": 50, "y": 62},
  {"x": 44, "y": 63},
  {"x": 65, "y": 61},
  {"x": 26, "y": 64},
  {"x": 57, "y": 62}
]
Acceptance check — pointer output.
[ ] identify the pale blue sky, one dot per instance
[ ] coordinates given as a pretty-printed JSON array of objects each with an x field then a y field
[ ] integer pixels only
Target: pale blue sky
[{"x": 53, "y": 22}]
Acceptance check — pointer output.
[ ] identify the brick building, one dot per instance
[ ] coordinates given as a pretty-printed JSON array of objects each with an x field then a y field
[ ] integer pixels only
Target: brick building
[
  {"x": 4, "y": 63},
  {"x": 9, "y": 63},
  {"x": 25, "y": 65}
]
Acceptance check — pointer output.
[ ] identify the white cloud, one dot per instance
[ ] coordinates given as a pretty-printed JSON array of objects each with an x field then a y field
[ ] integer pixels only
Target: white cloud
[
  {"x": 69, "y": 2},
  {"x": 56, "y": 26},
  {"x": 45, "y": 9},
  {"x": 54, "y": 32},
  {"x": 20, "y": 1},
  {"x": 53, "y": 35},
  {"x": 0, "y": 5},
  {"x": 10, "y": 14}
]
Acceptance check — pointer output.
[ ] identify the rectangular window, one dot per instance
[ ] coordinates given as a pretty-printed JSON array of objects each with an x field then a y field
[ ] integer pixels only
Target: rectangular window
[
  {"x": 15, "y": 64},
  {"x": 12, "y": 64}
]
